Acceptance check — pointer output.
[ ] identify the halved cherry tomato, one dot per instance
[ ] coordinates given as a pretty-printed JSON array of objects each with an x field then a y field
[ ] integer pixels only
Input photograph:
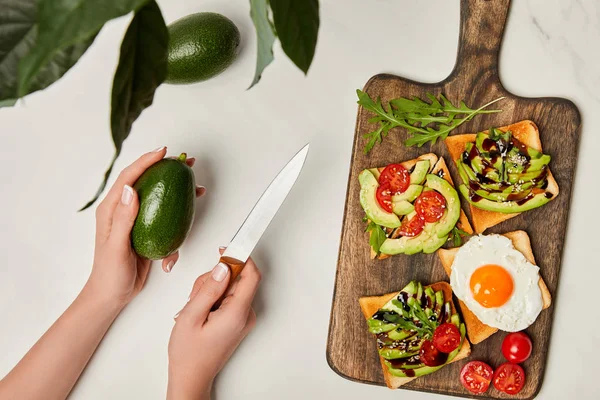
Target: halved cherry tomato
[
  {"x": 509, "y": 378},
  {"x": 446, "y": 338},
  {"x": 397, "y": 176},
  {"x": 476, "y": 376},
  {"x": 413, "y": 227},
  {"x": 384, "y": 197},
  {"x": 430, "y": 206},
  {"x": 517, "y": 347},
  {"x": 431, "y": 356}
]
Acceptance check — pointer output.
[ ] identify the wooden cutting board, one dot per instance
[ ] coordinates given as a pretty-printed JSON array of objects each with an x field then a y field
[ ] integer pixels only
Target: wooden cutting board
[{"x": 351, "y": 350}]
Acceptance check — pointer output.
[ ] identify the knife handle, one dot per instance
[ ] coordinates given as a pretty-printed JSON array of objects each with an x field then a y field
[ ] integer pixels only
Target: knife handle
[{"x": 235, "y": 269}]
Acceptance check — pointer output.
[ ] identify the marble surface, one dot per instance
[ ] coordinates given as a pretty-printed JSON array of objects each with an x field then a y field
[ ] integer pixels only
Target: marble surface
[{"x": 56, "y": 145}]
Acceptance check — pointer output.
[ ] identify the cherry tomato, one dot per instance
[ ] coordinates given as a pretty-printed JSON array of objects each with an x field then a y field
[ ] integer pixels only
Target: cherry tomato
[
  {"x": 476, "y": 376},
  {"x": 384, "y": 197},
  {"x": 517, "y": 347},
  {"x": 397, "y": 176},
  {"x": 412, "y": 227},
  {"x": 446, "y": 338},
  {"x": 430, "y": 206},
  {"x": 431, "y": 356},
  {"x": 509, "y": 378}
]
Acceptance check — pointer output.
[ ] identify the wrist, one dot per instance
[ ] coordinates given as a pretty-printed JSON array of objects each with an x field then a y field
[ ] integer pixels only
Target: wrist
[
  {"x": 91, "y": 293},
  {"x": 189, "y": 389}
]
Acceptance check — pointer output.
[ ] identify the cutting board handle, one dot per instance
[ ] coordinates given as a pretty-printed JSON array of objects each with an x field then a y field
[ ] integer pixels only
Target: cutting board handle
[{"x": 481, "y": 29}]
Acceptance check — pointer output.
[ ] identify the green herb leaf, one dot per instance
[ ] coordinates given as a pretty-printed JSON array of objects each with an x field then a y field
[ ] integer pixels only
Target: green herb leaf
[
  {"x": 297, "y": 25},
  {"x": 65, "y": 23},
  {"x": 427, "y": 122},
  {"x": 265, "y": 37},
  {"x": 142, "y": 68},
  {"x": 18, "y": 35},
  {"x": 456, "y": 236},
  {"x": 377, "y": 236}
]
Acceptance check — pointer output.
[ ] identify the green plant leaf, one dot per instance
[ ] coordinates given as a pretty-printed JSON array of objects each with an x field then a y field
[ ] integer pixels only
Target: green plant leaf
[
  {"x": 265, "y": 37},
  {"x": 65, "y": 23},
  {"x": 142, "y": 68},
  {"x": 377, "y": 236},
  {"x": 297, "y": 26},
  {"x": 18, "y": 34}
]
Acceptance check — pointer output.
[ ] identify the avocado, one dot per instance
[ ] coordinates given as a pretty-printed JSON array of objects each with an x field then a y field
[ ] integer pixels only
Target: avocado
[
  {"x": 400, "y": 334},
  {"x": 375, "y": 173},
  {"x": 403, "y": 207},
  {"x": 433, "y": 243},
  {"x": 377, "y": 326},
  {"x": 394, "y": 354},
  {"x": 507, "y": 207},
  {"x": 419, "y": 173},
  {"x": 410, "y": 194},
  {"x": 452, "y": 213},
  {"x": 167, "y": 197},
  {"x": 368, "y": 201},
  {"x": 201, "y": 46},
  {"x": 404, "y": 245}
]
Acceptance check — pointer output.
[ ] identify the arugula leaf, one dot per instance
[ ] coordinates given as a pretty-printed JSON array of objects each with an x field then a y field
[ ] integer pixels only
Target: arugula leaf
[
  {"x": 456, "y": 236},
  {"x": 265, "y": 37},
  {"x": 426, "y": 122},
  {"x": 65, "y": 23},
  {"x": 142, "y": 68},
  {"x": 377, "y": 236},
  {"x": 18, "y": 36},
  {"x": 297, "y": 25}
]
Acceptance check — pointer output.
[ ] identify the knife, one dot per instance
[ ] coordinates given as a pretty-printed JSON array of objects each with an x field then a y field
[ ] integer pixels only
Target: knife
[{"x": 246, "y": 238}]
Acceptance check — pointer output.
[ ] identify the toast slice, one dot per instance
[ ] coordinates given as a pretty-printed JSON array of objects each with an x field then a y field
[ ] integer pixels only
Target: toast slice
[
  {"x": 477, "y": 330},
  {"x": 525, "y": 131},
  {"x": 440, "y": 168},
  {"x": 370, "y": 305}
]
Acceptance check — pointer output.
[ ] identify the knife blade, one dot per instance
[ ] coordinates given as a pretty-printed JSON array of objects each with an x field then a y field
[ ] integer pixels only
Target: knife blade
[{"x": 256, "y": 223}]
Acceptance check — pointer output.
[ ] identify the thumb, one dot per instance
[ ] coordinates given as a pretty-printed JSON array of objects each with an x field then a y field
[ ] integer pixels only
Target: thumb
[
  {"x": 124, "y": 216},
  {"x": 197, "y": 310}
]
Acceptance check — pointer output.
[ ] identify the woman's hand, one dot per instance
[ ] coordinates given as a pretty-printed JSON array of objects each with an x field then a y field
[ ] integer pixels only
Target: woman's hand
[
  {"x": 118, "y": 273},
  {"x": 203, "y": 340}
]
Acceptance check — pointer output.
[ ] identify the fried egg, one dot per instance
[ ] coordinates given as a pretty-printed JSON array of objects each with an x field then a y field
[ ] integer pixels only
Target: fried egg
[{"x": 497, "y": 283}]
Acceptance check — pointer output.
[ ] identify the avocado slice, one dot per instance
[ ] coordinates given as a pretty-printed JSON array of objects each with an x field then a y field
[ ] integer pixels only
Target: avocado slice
[
  {"x": 434, "y": 243},
  {"x": 423, "y": 369},
  {"x": 529, "y": 176},
  {"x": 452, "y": 214},
  {"x": 410, "y": 194},
  {"x": 403, "y": 207},
  {"x": 375, "y": 173},
  {"x": 377, "y": 326},
  {"x": 419, "y": 173},
  {"x": 507, "y": 207},
  {"x": 404, "y": 245},
  {"x": 394, "y": 354},
  {"x": 400, "y": 334},
  {"x": 368, "y": 201}
]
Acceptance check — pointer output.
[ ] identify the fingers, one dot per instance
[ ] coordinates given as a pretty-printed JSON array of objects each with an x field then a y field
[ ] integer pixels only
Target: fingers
[
  {"x": 124, "y": 216},
  {"x": 211, "y": 288},
  {"x": 190, "y": 161},
  {"x": 200, "y": 191},
  {"x": 128, "y": 176},
  {"x": 246, "y": 286},
  {"x": 169, "y": 262}
]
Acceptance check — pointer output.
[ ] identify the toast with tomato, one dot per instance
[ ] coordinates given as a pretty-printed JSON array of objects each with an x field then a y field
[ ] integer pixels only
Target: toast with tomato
[
  {"x": 417, "y": 331},
  {"x": 411, "y": 207},
  {"x": 503, "y": 172},
  {"x": 477, "y": 330}
]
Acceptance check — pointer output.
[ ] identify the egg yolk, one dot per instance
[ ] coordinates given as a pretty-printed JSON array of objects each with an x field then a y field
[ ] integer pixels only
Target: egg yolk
[{"x": 491, "y": 285}]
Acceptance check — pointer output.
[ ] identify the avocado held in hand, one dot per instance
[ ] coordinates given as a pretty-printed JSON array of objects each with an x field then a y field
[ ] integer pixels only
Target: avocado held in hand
[{"x": 167, "y": 194}]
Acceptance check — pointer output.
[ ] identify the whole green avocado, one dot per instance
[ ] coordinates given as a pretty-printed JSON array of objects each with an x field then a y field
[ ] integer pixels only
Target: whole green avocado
[
  {"x": 167, "y": 195},
  {"x": 201, "y": 46}
]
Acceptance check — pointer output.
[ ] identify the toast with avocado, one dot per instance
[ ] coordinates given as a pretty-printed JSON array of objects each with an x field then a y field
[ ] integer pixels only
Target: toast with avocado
[
  {"x": 404, "y": 322},
  {"x": 503, "y": 172},
  {"x": 411, "y": 207},
  {"x": 477, "y": 330}
]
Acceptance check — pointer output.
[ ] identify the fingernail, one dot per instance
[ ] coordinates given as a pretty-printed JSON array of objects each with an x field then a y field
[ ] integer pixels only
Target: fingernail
[
  {"x": 222, "y": 247},
  {"x": 127, "y": 195},
  {"x": 220, "y": 272},
  {"x": 176, "y": 315},
  {"x": 201, "y": 189},
  {"x": 169, "y": 266},
  {"x": 158, "y": 150}
]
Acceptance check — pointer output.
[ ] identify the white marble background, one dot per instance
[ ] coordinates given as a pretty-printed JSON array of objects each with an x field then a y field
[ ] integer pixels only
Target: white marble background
[{"x": 56, "y": 145}]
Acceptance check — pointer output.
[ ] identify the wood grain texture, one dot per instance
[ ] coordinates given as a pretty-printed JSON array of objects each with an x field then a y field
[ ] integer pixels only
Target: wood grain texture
[{"x": 351, "y": 350}]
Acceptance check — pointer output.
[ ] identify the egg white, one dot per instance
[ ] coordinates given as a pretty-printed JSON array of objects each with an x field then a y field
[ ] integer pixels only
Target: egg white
[{"x": 525, "y": 304}]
